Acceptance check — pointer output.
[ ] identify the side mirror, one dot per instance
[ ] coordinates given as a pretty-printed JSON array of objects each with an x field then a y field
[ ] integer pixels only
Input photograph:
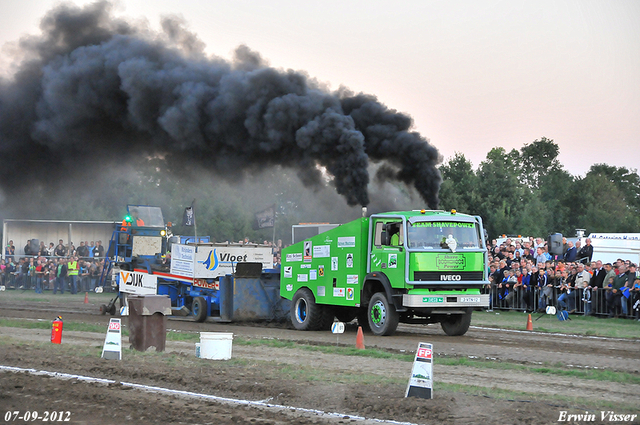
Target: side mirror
[{"x": 384, "y": 236}]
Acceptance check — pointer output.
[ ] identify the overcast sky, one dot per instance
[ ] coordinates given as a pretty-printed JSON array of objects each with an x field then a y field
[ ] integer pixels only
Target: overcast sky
[{"x": 473, "y": 74}]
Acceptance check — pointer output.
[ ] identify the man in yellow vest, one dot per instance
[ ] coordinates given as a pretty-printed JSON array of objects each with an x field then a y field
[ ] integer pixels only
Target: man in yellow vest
[{"x": 72, "y": 267}]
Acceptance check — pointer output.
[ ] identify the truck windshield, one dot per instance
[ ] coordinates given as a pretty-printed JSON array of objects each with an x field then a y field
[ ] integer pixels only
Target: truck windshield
[
  {"x": 433, "y": 234},
  {"x": 151, "y": 216}
]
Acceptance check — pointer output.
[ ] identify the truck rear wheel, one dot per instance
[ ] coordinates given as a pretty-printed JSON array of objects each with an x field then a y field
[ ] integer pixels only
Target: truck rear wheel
[
  {"x": 199, "y": 309},
  {"x": 306, "y": 315},
  {"x": 456, "y": 325},
  {"x": 383, "y": 317}
]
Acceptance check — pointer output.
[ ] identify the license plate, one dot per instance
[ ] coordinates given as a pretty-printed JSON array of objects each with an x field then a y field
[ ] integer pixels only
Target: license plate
[
  {"x": 432, "y": 299},
  {"x": 475, "y": 300}
]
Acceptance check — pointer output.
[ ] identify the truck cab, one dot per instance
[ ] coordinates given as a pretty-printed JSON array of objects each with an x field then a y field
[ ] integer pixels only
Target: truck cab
[
  {"x": 140, "y": 237},
  {"x": 431, "y": 263}
]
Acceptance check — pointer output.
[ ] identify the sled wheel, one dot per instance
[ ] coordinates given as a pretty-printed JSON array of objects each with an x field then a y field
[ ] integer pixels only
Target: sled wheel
[
  {"x": 456, "y": 325},
  {"x": 199, "y": 309}
]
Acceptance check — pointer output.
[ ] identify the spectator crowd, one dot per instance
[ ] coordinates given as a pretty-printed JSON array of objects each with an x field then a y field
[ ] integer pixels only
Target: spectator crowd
[
  {"x": 63, "y": 267},
  {"x": 58, "y": 268},
  {"x": 523, "y": 275}
]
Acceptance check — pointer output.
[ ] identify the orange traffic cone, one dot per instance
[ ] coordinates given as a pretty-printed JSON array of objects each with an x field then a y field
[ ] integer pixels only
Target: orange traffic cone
[
  {"x": 360, "y": 339},
  {"x": 529, "y": 324},
  {"x": 86, "y": 298}
]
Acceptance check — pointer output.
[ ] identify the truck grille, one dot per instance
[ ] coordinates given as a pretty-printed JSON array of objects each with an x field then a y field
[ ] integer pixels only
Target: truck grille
[{"x": 447, "y": 276}]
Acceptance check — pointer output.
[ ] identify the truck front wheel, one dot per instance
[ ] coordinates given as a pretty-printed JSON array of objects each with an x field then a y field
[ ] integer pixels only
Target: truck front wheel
[
  {"x": 306, "y": 315},
  {"x": 199, "y": 309},
  {"x": 383, "y": 317},
  {"x": 456, "y": 325}
]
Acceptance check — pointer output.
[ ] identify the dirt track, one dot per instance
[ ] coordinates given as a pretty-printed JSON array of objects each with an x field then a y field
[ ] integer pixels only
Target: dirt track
[{"x": 364, "y": 387}]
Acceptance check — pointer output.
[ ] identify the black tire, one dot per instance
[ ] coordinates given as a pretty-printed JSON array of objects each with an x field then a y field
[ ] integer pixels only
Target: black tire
[
  {"x": 456, "y": 325},
  {"x": 345, "y": 315},
  {"x": 112, "y": 309},
  {"x": 327, "y": 316},
  {"x": 199, "y": 309},
  {"x": 306, "y": 315},
  {"x": 382, "y": 315},
  {"x": 363, "y": 319}
]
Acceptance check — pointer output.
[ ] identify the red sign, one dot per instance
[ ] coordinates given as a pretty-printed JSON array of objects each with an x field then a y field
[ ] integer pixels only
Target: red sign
[
  {"x": 201, "y": 283},
  {"x": 425, "y": 353},
  {"x": 114, "y": 326}
]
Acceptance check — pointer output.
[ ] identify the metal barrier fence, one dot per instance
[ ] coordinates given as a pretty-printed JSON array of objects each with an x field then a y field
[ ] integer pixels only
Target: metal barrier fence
[
  {"x": 49, "y": 257},
  {"x": 44, "y": 281},
  {"x": 583, "y": 301}
]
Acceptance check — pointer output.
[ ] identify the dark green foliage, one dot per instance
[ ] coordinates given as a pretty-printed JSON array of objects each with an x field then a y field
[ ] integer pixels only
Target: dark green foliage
[{"x": 528, "y": 192}]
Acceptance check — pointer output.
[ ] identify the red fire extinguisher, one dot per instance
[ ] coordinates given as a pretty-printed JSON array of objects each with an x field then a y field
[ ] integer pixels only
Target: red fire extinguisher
[{"x": 56, "y": 331}]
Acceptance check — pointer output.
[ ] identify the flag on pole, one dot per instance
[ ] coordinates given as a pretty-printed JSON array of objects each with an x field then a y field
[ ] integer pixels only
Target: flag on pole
[
  {"x": 188, "y": 218},
  {"x": 265, "y": 218}
]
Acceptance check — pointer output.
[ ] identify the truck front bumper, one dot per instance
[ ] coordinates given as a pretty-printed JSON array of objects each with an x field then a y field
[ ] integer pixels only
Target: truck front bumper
[{"x": 445, "y": 301}]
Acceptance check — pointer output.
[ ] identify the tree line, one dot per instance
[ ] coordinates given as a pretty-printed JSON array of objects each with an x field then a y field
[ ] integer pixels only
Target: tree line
[{"x": 528, "y": 192}]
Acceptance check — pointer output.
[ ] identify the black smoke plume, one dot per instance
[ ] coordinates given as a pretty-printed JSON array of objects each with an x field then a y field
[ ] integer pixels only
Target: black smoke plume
[{"x": 94, "y": 91}]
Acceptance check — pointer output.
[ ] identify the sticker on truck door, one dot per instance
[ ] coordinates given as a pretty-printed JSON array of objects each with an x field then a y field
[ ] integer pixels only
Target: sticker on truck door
[
  {"x": 347, "y": 242},
  {"x": 321, "y": 251},
  {"x": 393, "y": 261},
  {"x": 294, "y": 257},
  {"x": 307, "y": 251},
  {"x": 334, "y": 264}
]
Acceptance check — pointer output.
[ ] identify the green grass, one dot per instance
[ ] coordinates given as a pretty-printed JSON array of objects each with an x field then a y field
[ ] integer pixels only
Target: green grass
[
  {"x": 44, "y": 324},
  {"x": 578, "y": 325},
  {"x": 327, "y": 349}
]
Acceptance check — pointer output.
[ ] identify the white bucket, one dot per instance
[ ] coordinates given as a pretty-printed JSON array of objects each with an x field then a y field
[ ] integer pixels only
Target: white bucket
[{"x": 215, "y": 345}]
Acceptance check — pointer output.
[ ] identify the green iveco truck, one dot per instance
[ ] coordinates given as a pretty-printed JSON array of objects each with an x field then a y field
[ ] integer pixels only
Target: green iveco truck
[{"x": 411, "y": 267}]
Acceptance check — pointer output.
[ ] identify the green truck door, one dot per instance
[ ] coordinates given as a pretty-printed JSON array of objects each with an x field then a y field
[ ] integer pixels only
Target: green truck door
[{"x": 388, "y": 251}]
